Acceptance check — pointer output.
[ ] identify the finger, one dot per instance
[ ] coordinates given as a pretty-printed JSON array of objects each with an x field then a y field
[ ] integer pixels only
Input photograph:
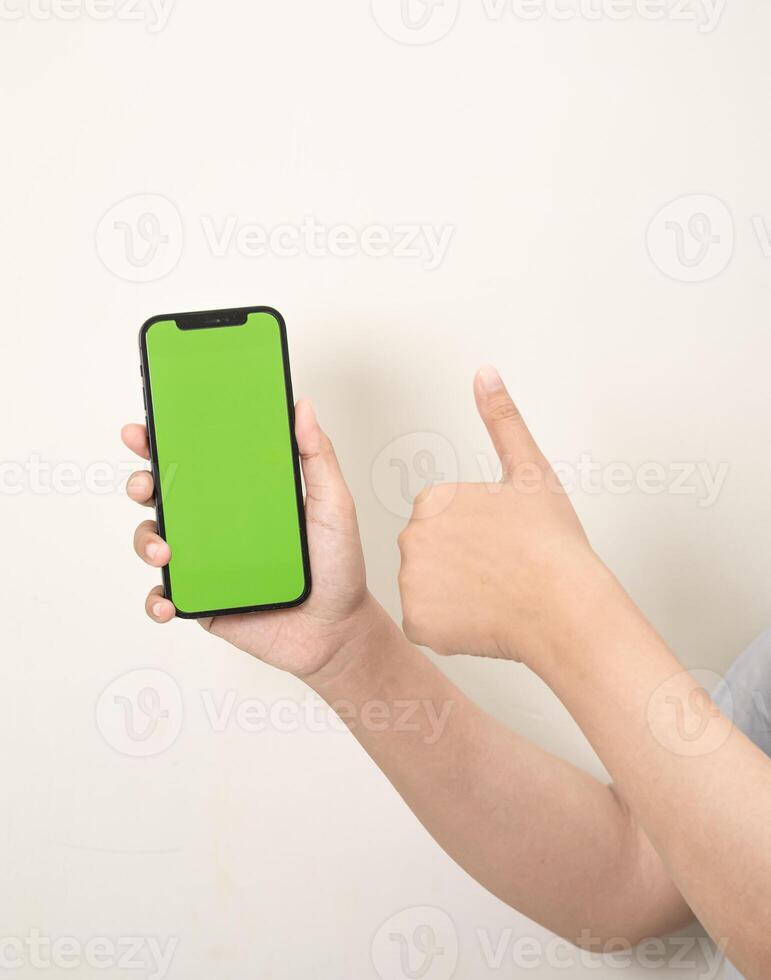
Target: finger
[
  {"x": 149, "y": 546},
  {"x": 508, "y": 431},
  {"x": 134, "y": 436},
  {"x": 159, "y": 608},
  {"x": 324, "y": 481},
  {"x": 141, "y": 488}
]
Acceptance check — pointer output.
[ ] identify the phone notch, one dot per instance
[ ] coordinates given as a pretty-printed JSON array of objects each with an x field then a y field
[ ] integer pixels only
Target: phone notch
[{"x": 204, "y": 321}]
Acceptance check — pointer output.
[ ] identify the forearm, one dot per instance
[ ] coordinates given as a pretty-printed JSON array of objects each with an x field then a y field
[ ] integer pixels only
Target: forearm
[
  {"x": 700, "y": 789},
  {"x": 540, "y": 834}
]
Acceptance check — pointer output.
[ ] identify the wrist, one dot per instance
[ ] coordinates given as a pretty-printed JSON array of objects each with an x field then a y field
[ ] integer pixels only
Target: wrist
[
  {"x": 365, "y": 631},
  {"x": 587, "y": 599}
]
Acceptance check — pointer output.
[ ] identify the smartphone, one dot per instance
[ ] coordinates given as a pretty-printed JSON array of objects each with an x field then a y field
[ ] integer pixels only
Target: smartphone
[{"x": 228, "y": 491}]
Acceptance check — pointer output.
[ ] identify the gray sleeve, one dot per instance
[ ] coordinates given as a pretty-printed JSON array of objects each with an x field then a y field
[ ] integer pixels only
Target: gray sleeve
[{"x": 745, "y": 692}]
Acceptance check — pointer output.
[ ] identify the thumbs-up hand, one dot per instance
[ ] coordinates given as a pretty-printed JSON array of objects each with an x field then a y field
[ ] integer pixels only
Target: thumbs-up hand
[{"x": 495, "y": 570}]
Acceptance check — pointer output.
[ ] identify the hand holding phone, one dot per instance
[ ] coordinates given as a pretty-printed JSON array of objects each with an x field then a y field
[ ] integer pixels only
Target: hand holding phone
[{"x": 303, "y": 639}]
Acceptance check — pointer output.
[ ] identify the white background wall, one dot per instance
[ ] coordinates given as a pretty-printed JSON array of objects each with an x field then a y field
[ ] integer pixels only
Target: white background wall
[{"x": 547, "y": 147}]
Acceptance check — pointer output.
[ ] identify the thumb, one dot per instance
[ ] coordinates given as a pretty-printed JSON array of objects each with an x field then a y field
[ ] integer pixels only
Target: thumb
[
  {"x": 508, "y": 431},
  {"x": 325, "y": 486}
]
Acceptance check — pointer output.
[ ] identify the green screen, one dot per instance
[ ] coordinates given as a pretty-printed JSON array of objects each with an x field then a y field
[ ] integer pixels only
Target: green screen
[{"x": 226, "y": 464}]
